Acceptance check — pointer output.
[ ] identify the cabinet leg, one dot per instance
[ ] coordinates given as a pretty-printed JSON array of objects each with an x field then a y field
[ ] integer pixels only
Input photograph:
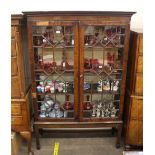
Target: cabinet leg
[
  {"x": 37, "y": 136},
  {"x": 41, "y": 132},
  {"x": 113, "y": 131},
  {"x": 118, "y": 140},
  {"x": 127, "y": 147},
  {"x": 28, "y": 137}
]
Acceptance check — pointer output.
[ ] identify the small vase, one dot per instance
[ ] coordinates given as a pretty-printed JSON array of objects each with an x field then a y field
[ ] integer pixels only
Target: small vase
[
  {"x": 64, "y": 64},
  {"x": 68, "y": 104},
  {"x": 87, "y": 105}
]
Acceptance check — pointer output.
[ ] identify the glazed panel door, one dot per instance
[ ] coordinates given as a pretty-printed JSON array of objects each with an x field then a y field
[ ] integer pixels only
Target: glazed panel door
[
  {"x": 54, "y": 57},
  {"x": 101, "y": 71}
]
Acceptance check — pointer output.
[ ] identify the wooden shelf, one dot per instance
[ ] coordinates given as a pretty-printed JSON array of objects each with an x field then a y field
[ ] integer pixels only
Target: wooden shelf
[
  {"x": 43, "y": 94},
  {"x": 53, "y": 46},
  {"x": 59, "y": 71},
  {"x": 106, "y": 47},
  {"x": 104, "y": 92}
]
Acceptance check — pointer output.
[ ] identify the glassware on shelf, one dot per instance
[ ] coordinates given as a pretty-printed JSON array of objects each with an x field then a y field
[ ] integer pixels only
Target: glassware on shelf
[
  {"x": 87, "y": 104},
  {"x": 48, "y": 58},
  {"x": 88, "y": 40},
  {"x": 58, "y": 35},
  {"x": 103, "y": 109},
  {"x": 39, "y": 90},
  {"x": 52, "y": 89},
  {"x": 109, "y": 32},
  {"x": 51, "y": 86},
  {"x": 47, "y": 88},
  {"x": 42, "y": 107},
  {"x": 43, "y": 114},
  {"x": 58, "y": 29},
  {"x": 115, "y": 85},
  {"x": 110, "y": 59},
  {"x": 65, "y": 114},
  {"x": 106, "y": 85},
  {"x": 95, "y": 87},
  {"x": 99, "y": 108},
  {"x": 99, "y": 86},
  {"x": 48, "y": 101},
  {"x": 113, "y": 112},
  {"x": 64, "y": 63},
  {"x": 68, "y": 105},
  {"x": 60, "y": 86},
  {"x": 91, "y": 40},
  {"x": 68, "y": 30},
  {"x": 56, "y": 112},
  {"x": 106, "y": 112},
  {"x": 40, "y": 87},
  {"x": 108, "y": 69},
  {"x": 46, "y": 62},
  {"x": 50, "y": 108},
  {"x": 94, "y": 108},
  {"x": 92, "y": 64},
  {"x": 117, "y": 64},
  {"x": 37, "y": 40},
  {"x": 70, "y": 87},
  {"x": 87, "y": 64},
  {"x": 46, "y": 106},
  {"x": 120, "y": 30},
  {"x": 48, "y": 36},
  {"x": 87, "y": 86},
  {"x": 89, "y": 30},
  {"x": 48, "y": 67},
  {"x": 69, "y": 41}
]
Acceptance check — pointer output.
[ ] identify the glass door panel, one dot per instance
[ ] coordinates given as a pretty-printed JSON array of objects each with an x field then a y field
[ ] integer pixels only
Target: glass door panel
[
  {"x": 103, "y": 55},
  {"x": 53, "y": 48}
]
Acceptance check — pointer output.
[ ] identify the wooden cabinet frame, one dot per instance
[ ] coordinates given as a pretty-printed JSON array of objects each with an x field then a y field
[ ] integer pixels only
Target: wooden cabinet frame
[{"x": 79, "y": 19}]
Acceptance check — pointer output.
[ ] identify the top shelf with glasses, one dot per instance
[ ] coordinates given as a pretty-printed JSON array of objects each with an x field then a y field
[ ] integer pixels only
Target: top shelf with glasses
[
  {"x": 53, "y": 36},
  {"x": 104, "y": 36}
]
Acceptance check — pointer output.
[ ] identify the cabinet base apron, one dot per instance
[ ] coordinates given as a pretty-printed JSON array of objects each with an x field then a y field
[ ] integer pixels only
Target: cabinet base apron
[{"x": 73, "y": 126}]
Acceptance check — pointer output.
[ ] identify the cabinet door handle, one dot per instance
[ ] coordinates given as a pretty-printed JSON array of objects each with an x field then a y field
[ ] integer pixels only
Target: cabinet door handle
[{"x": 81, "y": 75}]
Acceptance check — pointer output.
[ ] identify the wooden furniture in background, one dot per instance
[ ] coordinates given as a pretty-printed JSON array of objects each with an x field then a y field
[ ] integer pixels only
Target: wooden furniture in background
[
  {"x": 20, "y": 80},
  {"x": 15, "y": 143},
  {"x": 133, "y": 114},
  {"x": 78, "y": 67}
]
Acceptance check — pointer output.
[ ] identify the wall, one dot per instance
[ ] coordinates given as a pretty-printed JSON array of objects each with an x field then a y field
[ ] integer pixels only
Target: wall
[{"x": 86, "y": 5}]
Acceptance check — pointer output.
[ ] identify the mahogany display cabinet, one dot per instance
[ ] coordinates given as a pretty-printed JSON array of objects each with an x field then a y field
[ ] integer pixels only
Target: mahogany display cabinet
[{"x": 78, "y": 67}]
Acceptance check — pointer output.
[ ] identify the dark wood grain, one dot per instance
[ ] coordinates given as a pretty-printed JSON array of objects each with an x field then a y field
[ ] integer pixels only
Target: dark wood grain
[{"x": 78, "y": 13}]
